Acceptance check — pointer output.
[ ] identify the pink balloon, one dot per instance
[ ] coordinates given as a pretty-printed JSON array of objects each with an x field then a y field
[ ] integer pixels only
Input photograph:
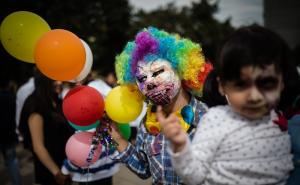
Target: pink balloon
[{"x": 78, "y": 148}]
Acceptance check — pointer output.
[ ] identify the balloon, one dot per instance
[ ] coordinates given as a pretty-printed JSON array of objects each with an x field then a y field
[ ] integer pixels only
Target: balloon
[
  {"x": 78, "y": 148},
  {"x": 20, "y": 32},
  {"x": 124, "y": 103},
  {"x": 88, "y": 63},
  {"x": 125, "y": 130},
  {"x": 60, "y": 55},
  {"x": 83, "y": 105},
  {"x": 84, "y": 128}
]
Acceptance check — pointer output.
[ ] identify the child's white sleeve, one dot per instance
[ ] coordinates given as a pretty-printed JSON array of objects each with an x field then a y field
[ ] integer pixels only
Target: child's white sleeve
[
  {"x": 193, "y": 163},
  {"x": 64, "y": 169}
]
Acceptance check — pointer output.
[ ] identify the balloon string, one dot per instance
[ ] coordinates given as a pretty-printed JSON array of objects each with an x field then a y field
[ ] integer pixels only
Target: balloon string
[
  {"x": 105, "y": 138},
  {"x": 93, "y": 147}
]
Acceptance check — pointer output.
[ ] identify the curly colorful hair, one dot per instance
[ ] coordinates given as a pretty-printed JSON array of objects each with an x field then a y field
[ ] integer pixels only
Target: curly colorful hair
[{"x": 151, "y": 44}]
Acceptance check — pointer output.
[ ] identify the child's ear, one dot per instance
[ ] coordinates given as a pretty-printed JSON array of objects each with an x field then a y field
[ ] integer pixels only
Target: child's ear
[{"x": 220, "y": 87}]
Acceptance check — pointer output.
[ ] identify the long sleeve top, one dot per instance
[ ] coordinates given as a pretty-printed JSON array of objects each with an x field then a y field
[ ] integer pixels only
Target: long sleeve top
[
  {"x": 230, "y": 149},
  {"x": 149, "y": 157}
]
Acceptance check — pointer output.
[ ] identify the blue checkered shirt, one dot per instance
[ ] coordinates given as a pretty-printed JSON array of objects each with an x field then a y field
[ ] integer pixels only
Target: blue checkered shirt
[{"x": 149, "y": 157}]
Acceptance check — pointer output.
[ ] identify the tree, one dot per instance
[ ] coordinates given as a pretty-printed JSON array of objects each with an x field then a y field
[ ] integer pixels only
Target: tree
[
  {"x": 196, "y": 22},
  {"x": 101, "y": 23},
  {"x": 107, "y": 25}
]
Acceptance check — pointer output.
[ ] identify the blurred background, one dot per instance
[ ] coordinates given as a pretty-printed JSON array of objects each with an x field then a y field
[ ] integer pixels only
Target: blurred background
[{"x": 106, "y": 25}]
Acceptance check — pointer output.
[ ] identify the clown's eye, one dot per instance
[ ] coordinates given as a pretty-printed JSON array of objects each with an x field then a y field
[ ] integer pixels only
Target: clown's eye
[
  {"x": 141, "y": 79},
  {"x": 156, "y": 73}
]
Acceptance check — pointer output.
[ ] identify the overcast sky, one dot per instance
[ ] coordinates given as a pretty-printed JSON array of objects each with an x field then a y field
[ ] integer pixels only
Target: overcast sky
[{"x": 242, "y": 12}]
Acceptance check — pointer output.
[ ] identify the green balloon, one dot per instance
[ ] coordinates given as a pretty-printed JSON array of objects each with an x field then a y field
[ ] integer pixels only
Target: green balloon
[
  {"x": 125, "y": 130},
  {"x": 84, "y": 128}
]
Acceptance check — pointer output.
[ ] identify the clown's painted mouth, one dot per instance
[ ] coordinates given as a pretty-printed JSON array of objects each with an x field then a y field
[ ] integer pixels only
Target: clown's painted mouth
[{"x": 161, "y": 95}]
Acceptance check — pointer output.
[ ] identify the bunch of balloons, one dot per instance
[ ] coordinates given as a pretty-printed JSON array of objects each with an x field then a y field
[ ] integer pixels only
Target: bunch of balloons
[
  {"x": 59, "y": 54},
  {"x": 83, "y": 106}
]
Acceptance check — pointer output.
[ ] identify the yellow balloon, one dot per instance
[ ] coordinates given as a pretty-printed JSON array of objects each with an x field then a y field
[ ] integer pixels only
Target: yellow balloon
[
  {"x": 20, "y": 32},
  {"x": 124, "y": 103}
]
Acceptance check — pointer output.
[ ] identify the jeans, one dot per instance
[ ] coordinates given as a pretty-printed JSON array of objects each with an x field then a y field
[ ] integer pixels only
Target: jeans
[{"x": 11, "y": 162}]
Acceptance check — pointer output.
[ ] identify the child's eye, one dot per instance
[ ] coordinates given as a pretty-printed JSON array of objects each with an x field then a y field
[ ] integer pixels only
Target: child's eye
[
  {"x": 241, "y": 84},
  {"x": 156, "y": 73},
  {"x": 268, "y": 83},
  {"x": 141, "y": 79}
]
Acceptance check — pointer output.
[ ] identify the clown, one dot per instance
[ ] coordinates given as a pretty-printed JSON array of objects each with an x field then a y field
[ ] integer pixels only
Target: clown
[{"x": 170, "y": 72}]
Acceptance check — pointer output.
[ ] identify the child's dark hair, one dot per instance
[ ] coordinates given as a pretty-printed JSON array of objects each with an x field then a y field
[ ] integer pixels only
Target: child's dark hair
[
  {"x": 251, "y": 46},
  {"x": 211, "y": 96},
  {"x": 257, "y": 46}
]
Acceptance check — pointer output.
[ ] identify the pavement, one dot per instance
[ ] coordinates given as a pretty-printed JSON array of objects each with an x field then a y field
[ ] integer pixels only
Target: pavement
[{"x": 123, "y": 177}]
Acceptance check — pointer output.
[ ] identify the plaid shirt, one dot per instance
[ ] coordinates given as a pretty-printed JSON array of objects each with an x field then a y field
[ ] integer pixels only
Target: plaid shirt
[{"x": 150, "y": 157}]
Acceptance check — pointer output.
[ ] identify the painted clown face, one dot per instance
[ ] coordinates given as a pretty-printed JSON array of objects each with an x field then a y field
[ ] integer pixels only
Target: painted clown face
[{"x": 158, "y": 81}]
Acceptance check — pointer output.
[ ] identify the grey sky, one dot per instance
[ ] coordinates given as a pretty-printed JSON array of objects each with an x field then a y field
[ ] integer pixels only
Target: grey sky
[{"x": 242, "y": 12}]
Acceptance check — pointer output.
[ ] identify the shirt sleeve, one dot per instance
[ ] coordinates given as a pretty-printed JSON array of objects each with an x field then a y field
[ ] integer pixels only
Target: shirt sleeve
[
  {"x": 65, "y": 167},
  {"x": 135, "y": 157},
  {"x": 192, "y": 164}
]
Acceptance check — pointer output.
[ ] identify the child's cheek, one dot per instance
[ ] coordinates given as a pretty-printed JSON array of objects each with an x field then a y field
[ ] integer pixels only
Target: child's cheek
[{"x": 272, "y": 98}]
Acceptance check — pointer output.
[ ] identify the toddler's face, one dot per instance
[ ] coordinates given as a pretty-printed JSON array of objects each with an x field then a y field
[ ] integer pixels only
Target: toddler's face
[
  {"x": 255, "y": 93},
  {"x": 158, "y": 81}
]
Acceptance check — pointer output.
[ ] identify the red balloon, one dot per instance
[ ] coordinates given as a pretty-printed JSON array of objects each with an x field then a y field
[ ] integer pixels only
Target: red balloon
[{"x": 83, "y": 105}]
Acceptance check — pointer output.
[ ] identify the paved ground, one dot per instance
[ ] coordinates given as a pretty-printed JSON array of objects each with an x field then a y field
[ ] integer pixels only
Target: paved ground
[{"x": 123, "y": 177}]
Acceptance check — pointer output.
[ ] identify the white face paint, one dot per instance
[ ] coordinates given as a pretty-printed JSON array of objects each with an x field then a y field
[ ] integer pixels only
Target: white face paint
[
  {"x": 256, "y": 92},
  {"x": 158, "y": 81}
]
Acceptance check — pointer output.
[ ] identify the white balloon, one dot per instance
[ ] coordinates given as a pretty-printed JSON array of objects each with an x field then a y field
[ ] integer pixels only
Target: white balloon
[{"x": 88, "y": 63}]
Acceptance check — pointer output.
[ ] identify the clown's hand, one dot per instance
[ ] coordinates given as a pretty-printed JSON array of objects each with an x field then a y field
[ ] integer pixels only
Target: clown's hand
[
  {"x": 117, "y": 136},
  {"x": 172, "y": 130}
]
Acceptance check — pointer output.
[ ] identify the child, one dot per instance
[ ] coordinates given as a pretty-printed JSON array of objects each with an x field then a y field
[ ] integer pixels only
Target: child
[
  {"x": 169, "y": 71},
  {"x": 238, "y": 143},
  {"x": 102, "y": 171}
]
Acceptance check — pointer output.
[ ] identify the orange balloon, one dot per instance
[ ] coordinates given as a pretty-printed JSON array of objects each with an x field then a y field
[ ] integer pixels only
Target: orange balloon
[{"x": 60, "y": 55}]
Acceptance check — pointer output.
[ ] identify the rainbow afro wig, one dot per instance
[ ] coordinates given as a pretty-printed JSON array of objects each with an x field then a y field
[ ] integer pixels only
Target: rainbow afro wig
[{"x": 150, "y": 44}]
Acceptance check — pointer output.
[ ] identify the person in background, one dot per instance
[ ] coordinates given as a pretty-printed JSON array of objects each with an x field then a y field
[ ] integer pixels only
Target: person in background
[
  {"x": 241, "y": 142},
  {"x": 22, "y": 93},
  {"x": 45, "y": 130},
  {"x": 8, "y": 136},
  {"x": 102, "y": 171},
  {"x": 109, "y": 76}
]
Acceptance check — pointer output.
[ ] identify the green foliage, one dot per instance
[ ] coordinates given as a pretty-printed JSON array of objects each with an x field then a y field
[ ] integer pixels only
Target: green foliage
[{"x": 195, "y": 22}]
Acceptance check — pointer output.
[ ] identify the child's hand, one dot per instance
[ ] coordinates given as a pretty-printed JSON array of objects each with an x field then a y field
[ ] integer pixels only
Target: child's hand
[
  {"x": 172, "y": 130},
  {"x": 62, "y": 179},
  {"x": 114, "y": 132}
]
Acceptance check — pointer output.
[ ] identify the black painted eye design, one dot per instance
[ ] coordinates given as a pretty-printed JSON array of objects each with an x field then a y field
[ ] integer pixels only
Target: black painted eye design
[
  {"x": 268, "y": 83},
  {"x": 156, "y": 73},
  {"x": 141, "y": 79}
]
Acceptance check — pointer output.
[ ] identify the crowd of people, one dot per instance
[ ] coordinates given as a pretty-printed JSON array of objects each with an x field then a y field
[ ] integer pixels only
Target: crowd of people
[{"x": 233, "y": 121}]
